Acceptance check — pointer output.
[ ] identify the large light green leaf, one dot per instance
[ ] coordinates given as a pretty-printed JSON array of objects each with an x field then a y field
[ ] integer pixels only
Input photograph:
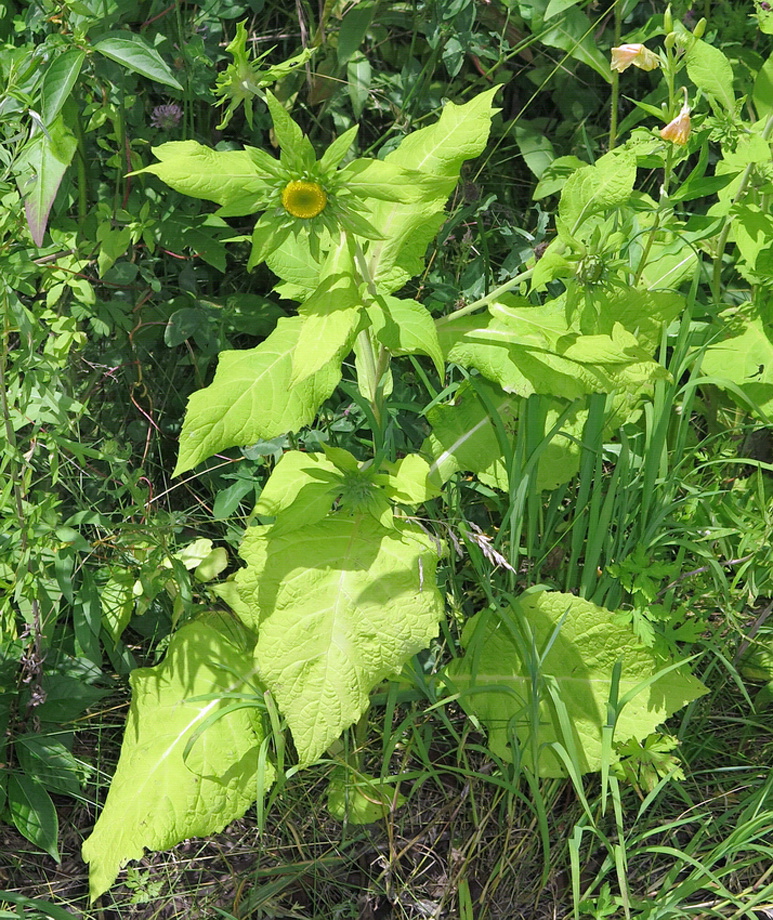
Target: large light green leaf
[
  {"x": 641, "y": 313},
  {"x": 301, "y": 488},
  {"x": 753, "y": 232},
  {"x": 534, "y": 350},
  {"x": 594, "y": 189},
  {"x": 360, "y": 799},
  {"x": 330, "y": 317},
  {"x": 438, "y": 150},
  {"x": 710, "y": 70},
  {"x": 762, "y": 95},
  {"x": 574, "y": 646},
  {"x": 410, "y": 480},
  {"x": 405, "y": 327},
  {"x": 744, "y": 359},
  {"x": 39, "y": 171},
  {"x": 158, "y": 796},
  {"x": 341, "y": 604},
  {"x": 229, "y": 177},
  {"x": 464, "y": 438},
  {"x": 251, "y": 398}
]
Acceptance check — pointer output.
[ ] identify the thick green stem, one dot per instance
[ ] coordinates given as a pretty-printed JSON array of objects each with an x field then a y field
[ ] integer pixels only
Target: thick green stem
[
  {"x": 375, "y": 367},
  {"x": 667, "y": 173},
  {"x": 615, "y": 85},
  {"x": 485, "y": 301}
]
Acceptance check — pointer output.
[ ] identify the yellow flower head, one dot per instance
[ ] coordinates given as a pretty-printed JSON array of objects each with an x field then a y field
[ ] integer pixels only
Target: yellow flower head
[
  {"x": 678, "y": 130},
  {"x": 304, "y": 199},
  {"x": 638, "y": 55}
]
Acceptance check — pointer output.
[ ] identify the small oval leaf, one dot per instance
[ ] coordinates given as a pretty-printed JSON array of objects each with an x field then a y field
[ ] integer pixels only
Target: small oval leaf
[{"x": 133, "y": 52}]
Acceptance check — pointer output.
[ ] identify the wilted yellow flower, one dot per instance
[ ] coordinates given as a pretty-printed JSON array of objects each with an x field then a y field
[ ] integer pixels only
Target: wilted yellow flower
[
  {"x": 636, "y": 54},
  {"x": 678, "y": 130}
]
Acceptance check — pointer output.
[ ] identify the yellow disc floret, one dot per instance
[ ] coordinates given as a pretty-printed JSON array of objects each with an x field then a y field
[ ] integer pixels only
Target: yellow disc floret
[{"x": 304, "y": 199}]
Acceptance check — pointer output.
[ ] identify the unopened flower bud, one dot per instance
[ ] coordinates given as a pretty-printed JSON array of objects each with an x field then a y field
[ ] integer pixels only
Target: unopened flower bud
[
  {"x": 668, "y": 20},
  {"x": 637, "y": 55},
  {"x": 699, "y": 29}
]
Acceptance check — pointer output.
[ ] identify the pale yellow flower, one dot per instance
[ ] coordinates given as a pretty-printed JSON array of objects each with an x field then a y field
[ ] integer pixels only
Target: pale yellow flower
[
  {"x": 678, "y": 130},
  {"x": 638, "y": 55}
]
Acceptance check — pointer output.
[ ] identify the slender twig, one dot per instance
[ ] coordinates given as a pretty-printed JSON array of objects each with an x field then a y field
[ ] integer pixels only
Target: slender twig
[
  {"x": 703, "y": 568},
  {"x": 753, "y": 630}
]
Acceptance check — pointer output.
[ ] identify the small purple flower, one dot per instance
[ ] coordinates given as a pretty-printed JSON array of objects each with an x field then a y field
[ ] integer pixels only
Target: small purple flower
[{"x": 166, "y": 117}]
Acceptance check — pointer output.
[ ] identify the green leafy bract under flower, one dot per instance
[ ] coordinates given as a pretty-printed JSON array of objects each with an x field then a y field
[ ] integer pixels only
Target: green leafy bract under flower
[{"x": 297, "y": 193}]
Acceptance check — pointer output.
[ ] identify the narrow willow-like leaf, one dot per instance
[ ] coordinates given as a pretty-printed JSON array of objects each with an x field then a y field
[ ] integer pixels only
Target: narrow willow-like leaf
[{"x": 39, "y": 172}]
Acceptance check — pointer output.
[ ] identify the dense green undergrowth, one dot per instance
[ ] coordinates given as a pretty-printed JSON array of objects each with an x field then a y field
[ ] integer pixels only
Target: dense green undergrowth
[{"x": 386, "y": 395}]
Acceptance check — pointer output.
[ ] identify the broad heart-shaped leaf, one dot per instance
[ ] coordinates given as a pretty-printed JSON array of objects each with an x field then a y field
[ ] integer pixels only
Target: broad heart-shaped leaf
[
  {"x": 573, "y": 646},
  {"x": 39, "y": 170},
  {"x": 594, "y": 189},
  {"x": 529, "y": 350},
  {"x": 341, "y": 604},
  {"x": 134, "y": 53},
  {"x": 438, "y": 150},
  {"x": 746, "y": 360},
  {"x": 159, "y": 796},
  {"x": 464, "y": 438},
  {"x": 229, "y": 177},
  {"x": 251, "y": 398}
]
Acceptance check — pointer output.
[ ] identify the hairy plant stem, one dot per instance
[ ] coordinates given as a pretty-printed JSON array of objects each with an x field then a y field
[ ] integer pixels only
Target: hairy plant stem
[
  {"x": 375, "y": 366},
  {"x": 485, "y": 301},
  {"x": 656, "y": 223},
  {"x": 615, "y": 85},
  {"x": 716, "y": 278}
]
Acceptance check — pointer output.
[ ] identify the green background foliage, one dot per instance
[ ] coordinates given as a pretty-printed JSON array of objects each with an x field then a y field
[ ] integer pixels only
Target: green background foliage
[{"x": 457, "y": 485}]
